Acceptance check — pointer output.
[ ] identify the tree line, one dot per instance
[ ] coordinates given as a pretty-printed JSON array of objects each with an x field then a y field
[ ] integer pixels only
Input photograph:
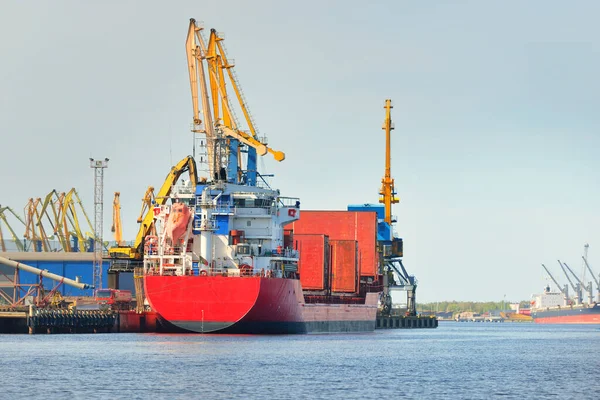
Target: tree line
[{"x": 461, "y": 306}]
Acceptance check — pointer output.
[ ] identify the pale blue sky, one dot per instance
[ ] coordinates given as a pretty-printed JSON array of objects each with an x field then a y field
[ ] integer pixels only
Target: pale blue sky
[{"x": 496, "y": 141}]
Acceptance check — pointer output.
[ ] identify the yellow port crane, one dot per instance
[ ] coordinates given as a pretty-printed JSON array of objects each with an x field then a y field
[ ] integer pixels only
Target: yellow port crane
[
  {"x": 222, "y": 120},
  {"x": 387, "y": 192},
  {"x": 3, "y": 220},
  {"x": 116, "y": 226},
  {"x": 135, "y": 252},
  {"x": 146, "y": 203}
]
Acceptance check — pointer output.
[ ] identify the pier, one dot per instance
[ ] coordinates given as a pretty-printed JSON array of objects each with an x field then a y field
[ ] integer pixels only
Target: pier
[{"x": 405, "y": 322}]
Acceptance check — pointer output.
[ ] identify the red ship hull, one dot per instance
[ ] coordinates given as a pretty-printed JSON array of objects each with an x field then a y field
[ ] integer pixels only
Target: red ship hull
[
  {"x": 251, "y": 305},
  {"x": 570, "y": 319},
  {"x": 582, "y": 314}
]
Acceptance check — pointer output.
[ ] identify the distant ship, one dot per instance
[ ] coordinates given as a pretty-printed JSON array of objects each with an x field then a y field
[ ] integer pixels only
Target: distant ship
[{"x": 552, "y": 308}]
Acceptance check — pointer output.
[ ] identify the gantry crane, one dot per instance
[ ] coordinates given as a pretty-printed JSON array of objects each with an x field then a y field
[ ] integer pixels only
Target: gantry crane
[
  {"x": 223, "y": 134},
  {"x": 116, "y": 226},
  {"x": 132, "y": 255},
  {"x": 387, "y": 192}
]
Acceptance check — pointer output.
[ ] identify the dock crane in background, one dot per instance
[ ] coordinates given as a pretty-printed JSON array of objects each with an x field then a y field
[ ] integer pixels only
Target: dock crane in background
[
  {"x": 221, "y": 127},
  {"x": 126, "y": 258},
  {"x": 116, "y": 226},
  {"x": 395, "y": 276},
  {"x": 387, "y": 192},
  {"x": 3, "y": 211},
  {"x": 596, "y": 280},
  {"x": 564, "y": 291},
  {"x": 147, "y": 201},
  {"x": 575, "y": 288},
  {"x": 34, "y": 230}
]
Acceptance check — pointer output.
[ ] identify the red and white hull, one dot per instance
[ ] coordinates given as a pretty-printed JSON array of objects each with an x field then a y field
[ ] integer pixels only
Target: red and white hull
[{"x": 251, "y": 305}]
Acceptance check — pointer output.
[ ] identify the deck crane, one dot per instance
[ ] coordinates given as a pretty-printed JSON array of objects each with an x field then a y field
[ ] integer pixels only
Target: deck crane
[
  {"x": 18, "y": 243},
  {"x": 596, "y": 280},
  {"x": 116, "y": 226},
  {"x": 220, "y": 126},
  {"x": 575, "y": 289},
  {"x": 581, "y": 284},
  {"x": 562, "y": 290},
  {"x": 387, "y": 192},
  {"x": 127, "y": 257}
]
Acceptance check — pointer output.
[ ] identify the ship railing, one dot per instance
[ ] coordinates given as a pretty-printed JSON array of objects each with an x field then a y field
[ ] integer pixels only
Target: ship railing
[
  {"x": 269, "y": 210},
  {"x": 205, "y": 224},
  {"x": 289, "y": 202},
  {"x": 288, "y": 252}
]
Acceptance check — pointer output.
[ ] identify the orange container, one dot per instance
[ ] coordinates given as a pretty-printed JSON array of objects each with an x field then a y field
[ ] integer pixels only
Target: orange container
[
  {"x": 314, "y": 261},
  {"x": 344, "y": 266},
  {"x": 345, "y": 225}
]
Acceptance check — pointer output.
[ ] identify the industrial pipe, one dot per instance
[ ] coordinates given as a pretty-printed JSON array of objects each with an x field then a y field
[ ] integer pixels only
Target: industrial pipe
[{"x": 45, "y": 274}]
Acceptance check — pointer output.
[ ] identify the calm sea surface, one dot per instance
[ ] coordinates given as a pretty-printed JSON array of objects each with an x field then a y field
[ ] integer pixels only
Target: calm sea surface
[{"x": 455, "y": 361}]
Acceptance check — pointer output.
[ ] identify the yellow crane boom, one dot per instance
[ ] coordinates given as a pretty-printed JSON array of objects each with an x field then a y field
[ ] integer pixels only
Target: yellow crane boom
[
  {"x": 116, "y": 226},
  {"x": 387, "y": 192},
  {"x": 222, "y": 116},
  {"x": 135, "y": 252}
]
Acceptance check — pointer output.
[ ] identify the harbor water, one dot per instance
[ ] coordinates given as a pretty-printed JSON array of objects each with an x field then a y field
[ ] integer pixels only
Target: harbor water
[{"x": 454, "y": 361}]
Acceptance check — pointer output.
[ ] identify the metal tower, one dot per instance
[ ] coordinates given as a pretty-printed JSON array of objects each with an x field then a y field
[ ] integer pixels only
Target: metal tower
[{"x": 98, "y": 166}]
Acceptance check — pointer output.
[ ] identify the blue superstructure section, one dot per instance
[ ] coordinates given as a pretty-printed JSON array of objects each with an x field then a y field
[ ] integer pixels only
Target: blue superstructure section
[
  {"x": 222, "y": 225},
  {"x": 251, "y": 173},
  {"x": 68, "y": 269},
  {"x": 384, "y": 230},
  {"x": 232, "y": 166}
]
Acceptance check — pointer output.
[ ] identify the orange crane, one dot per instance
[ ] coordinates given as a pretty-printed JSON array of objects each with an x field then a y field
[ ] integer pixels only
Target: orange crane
[{"x": 387, "y": 192}]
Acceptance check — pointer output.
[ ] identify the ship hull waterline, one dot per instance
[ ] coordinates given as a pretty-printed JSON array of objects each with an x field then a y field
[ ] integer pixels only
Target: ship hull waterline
[
  {"x": 577, "y": 315},
  {"x": 252, "y": 305}
]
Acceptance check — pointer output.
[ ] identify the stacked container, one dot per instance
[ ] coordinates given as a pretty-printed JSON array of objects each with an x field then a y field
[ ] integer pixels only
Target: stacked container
[
  {"x": 359, "y": 226},
  {"x": 314, "y": 266}
]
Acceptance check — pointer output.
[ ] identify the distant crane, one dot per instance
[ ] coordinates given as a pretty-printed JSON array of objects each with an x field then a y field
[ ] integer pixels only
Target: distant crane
[
  {"x": 585, "y": 253},
  {"x": 577, "y": 298},
  {"x": 116, "y": 226},
  {"x": 387, "y": 192},
  {"x": 18, "y": 243},
  {"x": 555, "y": 282},
  {"x": 596, "y": 280},
  {"x": 580, "y": 283}
]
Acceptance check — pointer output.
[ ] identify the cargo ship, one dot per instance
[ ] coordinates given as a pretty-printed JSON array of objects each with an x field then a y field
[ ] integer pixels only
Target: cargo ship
[
  {"x": 229, "y": 268},
  {"x": 218, "y": 256},
  {"x": 554, "y": 308}
]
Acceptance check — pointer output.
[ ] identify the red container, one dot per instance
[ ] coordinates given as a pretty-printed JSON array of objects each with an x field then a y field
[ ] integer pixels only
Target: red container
[
  {"x": 344, "y": 266},
  {"x": 314, "y": 261},
  {"x": 345, "y": 225}
]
